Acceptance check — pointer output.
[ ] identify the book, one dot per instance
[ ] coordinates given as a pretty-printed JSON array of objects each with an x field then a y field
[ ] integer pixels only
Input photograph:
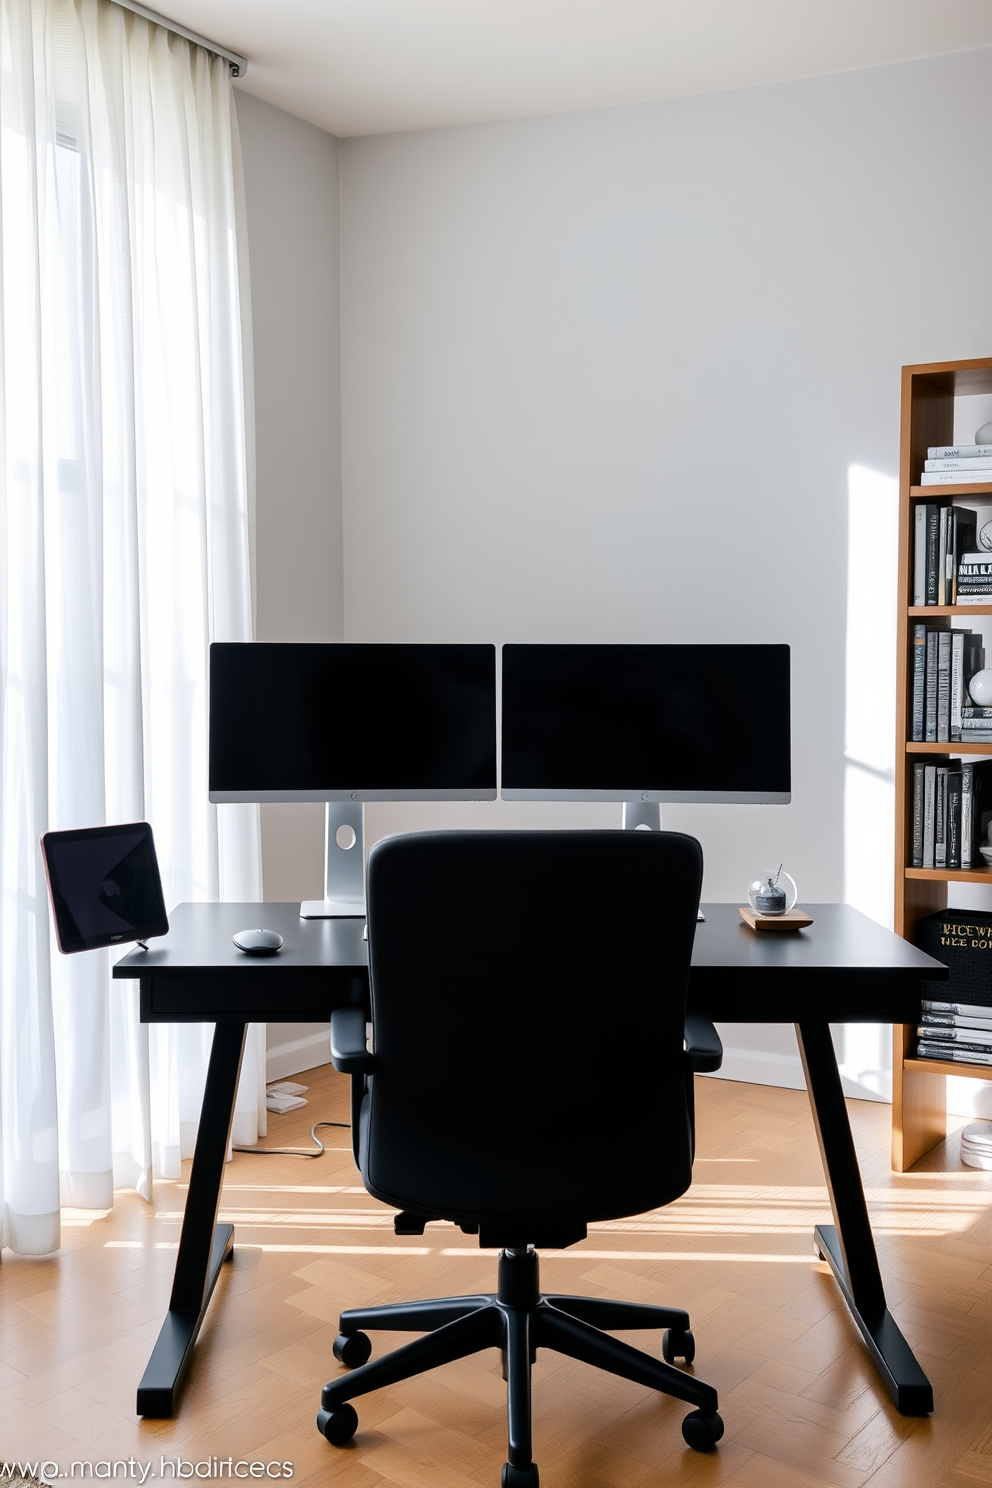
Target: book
[
  {"x": 961, "y": 462},
  {"x": 962, "y": 538},
  {"x": 955, "y": 1053},
  {"x": 959, "y": 451},
  {"x": 929, "y": 794},
  {"x": 953, "y": 787},
  {"x": 943, "y": 686},
  {"x": 945, "y": 512},
  {"x": 962, "y": 940},
  {"x": 916, "y": 843},
  {"x": 940, "y": 818},
  {"x": 981, "y": 561},
  {"x": 919, "y": 554},
  {"x": 919, "y": 674},
  {"x": 974, "y": 599},
  {"x": 973, "y": 725},
  {"x": 933, "y": 536},
  {"x": 972, "y": 710},
  {"x": 953, "y": 477},
  {"x": 969, "y": 1037},
  {"x": 957, "y": 1009},
  {"x": 954, "y": 1020},
  {"x": 930, "y": 702},
  {"x": 969, "y": 849}
]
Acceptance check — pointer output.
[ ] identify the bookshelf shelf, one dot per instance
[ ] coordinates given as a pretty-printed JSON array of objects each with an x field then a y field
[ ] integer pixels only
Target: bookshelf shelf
[
  {"x": 960, "y": 748},
  {"x": 928, "y": 392},
  {"x": 948, "y": 1067},
  {"x": 964, "y": 488},
  {"x": 960, "y": 612}
]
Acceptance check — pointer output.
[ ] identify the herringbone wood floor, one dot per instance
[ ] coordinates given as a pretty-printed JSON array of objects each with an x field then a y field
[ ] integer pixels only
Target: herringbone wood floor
[{"x": 801, "y": 1402}]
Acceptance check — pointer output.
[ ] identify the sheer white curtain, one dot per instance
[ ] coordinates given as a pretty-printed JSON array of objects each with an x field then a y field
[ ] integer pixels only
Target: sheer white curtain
[{"x": 123, "y": 553}]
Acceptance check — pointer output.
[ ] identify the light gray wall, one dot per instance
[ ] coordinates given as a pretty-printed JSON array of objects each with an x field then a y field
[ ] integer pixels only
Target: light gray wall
[
  {"x": 292, "y": 201},
  {"x": 633, "y": 374}
]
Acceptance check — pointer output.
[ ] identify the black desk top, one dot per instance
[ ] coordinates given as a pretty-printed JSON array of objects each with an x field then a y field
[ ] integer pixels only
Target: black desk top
[{"x": 844, "y": 968}]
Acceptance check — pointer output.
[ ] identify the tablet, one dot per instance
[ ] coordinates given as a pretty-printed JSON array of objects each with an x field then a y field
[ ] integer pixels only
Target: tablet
[{"x": 104, "y": 886}]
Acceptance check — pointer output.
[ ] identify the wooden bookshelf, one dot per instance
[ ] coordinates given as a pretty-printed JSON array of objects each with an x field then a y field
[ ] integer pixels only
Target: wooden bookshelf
[{"x": 928, "y": 393}]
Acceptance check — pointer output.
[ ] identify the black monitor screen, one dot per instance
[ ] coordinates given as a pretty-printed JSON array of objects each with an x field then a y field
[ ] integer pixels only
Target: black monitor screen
[
  {"x": 105, "y": 886},
  {"x": 299, "y": 722},
  {"x": 662, "y": 723}
]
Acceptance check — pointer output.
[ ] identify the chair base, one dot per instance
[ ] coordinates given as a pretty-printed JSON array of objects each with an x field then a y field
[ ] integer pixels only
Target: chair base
[{"x": 518, "y": 1321}]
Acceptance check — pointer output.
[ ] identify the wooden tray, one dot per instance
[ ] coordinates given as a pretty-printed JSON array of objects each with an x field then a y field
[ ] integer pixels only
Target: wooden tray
[{"x": 796, "y": 919}]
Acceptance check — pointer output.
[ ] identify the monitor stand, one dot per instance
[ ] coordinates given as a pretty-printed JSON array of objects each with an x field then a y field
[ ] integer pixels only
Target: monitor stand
[
  {"x": 645, "y": 816},
  {"x": 344, "y": 865}
]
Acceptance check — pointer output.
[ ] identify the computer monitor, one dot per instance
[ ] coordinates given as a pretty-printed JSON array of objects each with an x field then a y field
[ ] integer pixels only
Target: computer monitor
[
  {"x": 348, "y": 723},
  {"x": 646, "y": 724},
  {"x": 104, "y": 885}
]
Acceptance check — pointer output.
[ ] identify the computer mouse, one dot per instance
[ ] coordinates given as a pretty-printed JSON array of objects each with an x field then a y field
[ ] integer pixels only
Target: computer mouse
[{"x": 257, "y": 942}]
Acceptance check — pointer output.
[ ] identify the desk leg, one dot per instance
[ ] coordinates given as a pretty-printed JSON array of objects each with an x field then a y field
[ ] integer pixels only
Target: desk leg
[
  {"x": 847, "y": 1245},
  {"x": 203, "y": 1244}
]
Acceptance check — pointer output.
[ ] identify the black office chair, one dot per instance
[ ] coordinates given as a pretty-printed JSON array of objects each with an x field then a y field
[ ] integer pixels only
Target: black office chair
[{"x": 529, "y": 1073}]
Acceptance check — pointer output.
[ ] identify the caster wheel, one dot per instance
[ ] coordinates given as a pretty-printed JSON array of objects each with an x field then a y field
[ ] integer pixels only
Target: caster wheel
[
  {"x": 702, "y": 1430},
  {"x": 520, "y": 1477},
  {"x": 677, "y": 1345},
  {"x": 352, "y": 1349},
  {"x": 339, "y": 1425}
]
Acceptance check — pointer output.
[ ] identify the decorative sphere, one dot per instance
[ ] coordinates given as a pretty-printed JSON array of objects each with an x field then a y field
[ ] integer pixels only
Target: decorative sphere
[
  {"x": 980, "y": 688},
  {"x": 772, "y": 892},
  {"x": 984, "y": 435}
]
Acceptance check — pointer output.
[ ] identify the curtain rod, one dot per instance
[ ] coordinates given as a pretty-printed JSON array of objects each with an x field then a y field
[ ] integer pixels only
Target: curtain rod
[{"x": 239, "y": 65}]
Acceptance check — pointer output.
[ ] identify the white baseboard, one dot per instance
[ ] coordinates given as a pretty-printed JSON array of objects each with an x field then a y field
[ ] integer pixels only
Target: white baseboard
[
  {"x": 761, "y": 1067},
  {"x": 291, "y": 1058}
]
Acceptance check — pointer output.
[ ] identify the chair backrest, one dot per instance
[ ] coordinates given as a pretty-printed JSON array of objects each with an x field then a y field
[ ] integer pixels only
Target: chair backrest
[{"x": 528, "y": 1004}]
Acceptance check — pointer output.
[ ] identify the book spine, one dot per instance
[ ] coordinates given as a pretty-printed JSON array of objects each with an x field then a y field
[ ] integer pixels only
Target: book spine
[
  {"x": 930, "y": 710},
  {"x": 957, "y": 679},
  {"x": 964, "y": 536},
  {"x": 940, "y": 819},
  {"x": 973, "y": 725},
  {"x": 943, "y": 686},
  {"x": 972, "y": 710},
  {"x": 953, "y": 478},
  {"x": 978, "y": 1028},
  {"x": 959, "y": 462},
  {"x": 919, "y": 682},
  {"x": 968, "y": 852},
  {"x": 920, "y": 555},
  {"x": 967, "y": 1038},
  {"x": 917, "y": 852},
  {"x": 945, "y": 517},
  {"x": 959, "y": 1009},
  {"x": 929, "y": 790},
  {"x": 975, "y": 599},
  {"x": 954, "y": 818},
  {"x": 959, "y": 451},
  {"x": 933, "y": 534},
  {"x": 958, "y": 1055}
]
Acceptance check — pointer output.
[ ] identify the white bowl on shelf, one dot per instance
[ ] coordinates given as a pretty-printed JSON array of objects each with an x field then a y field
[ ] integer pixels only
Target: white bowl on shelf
[{"x": 986, "y": 851}]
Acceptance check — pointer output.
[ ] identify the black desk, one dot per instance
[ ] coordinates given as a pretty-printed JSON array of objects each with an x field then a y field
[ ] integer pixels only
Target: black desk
[{"x": 843, "y": 969}]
